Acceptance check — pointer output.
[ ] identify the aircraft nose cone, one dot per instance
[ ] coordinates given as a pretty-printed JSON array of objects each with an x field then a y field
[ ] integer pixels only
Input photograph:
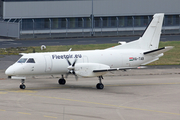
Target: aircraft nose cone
[{"x": 9, "y": 71}]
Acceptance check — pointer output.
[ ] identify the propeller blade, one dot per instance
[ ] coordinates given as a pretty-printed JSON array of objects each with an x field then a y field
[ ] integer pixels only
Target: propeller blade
[
  {"x": 74, "y": 62},
  {"x": 76, "y": 77},
  {"x": 67, "y": 75},
  {"x": 73, "y": 72},
  {"x": 68, "y": 62}
]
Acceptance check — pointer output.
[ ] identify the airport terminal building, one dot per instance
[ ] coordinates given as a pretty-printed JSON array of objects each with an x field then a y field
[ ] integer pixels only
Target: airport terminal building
[{"x": 67, "y": 18}]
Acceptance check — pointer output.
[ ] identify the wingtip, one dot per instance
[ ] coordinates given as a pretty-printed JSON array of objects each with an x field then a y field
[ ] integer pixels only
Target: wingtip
[
  {"x": 22, "y": 54},
  {"x": 169, "y": 47}
]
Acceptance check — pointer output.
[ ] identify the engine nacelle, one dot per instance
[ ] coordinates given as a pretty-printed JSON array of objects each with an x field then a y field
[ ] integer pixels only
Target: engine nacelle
[{"x": 86, "y": 69}]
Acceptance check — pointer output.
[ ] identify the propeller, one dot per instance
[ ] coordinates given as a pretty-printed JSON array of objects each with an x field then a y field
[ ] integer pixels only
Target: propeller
[{"x": 71, "y": 68}]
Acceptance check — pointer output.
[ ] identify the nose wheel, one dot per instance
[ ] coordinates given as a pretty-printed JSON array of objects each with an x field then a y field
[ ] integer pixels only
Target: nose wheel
[
  {"x": 22, "y": 86},
  {"x": 99, "y": 86}
]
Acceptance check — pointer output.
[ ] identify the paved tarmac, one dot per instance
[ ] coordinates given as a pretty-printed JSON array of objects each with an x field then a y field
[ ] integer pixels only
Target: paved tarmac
[{"x": 143, "y": 94}]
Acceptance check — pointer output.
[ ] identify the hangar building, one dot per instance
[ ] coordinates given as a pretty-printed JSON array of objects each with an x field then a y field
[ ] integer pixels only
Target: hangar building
[{"x": 58, "y": 18}]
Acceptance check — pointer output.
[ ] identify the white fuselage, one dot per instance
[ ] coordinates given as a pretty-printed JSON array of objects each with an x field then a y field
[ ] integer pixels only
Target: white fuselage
[{"x": 56, "y": 63}]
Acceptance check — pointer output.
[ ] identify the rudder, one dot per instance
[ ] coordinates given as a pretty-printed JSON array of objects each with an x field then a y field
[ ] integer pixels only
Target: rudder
[{"x": 151, "y": 37}]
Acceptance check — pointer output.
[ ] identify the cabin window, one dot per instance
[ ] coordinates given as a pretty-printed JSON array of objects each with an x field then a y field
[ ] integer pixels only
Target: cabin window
[
  {"x": 30, "y": 60},
  {"x": 22, "y": 60}
]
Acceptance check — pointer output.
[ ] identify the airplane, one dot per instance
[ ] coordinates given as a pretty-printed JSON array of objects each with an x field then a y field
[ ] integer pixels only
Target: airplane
[{"x": 93, "y": 63}]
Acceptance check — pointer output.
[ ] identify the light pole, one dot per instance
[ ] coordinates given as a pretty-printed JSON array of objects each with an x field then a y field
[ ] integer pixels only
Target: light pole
[
  {"x": 92, "y": 21},
  {"x": 133, "y": 24},
  {"x": 179, "y": 23}
]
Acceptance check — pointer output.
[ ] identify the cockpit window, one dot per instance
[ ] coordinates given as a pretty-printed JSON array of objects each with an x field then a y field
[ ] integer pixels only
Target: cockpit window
[
  {"x": 22, "y": 60},
  {"x": 30, "y": 60}
]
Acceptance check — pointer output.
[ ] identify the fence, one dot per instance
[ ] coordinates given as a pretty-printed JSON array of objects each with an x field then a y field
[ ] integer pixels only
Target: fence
[
  {"x": 102, "y": 26},
  {"x": 82, "y": 26},
  {"x": 65, "y": 33}
]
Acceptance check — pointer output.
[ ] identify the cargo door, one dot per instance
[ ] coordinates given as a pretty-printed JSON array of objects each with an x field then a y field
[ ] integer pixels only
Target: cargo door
[
  {"x": 48, "y": 63},
  {"x": 85, "y": 59}
]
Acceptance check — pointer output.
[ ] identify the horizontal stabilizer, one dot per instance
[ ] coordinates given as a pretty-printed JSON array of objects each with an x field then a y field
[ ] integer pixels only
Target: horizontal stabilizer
[
  {"x": 22, "y": 54},
  {"x": 158, "y": 51},
  {"x": 116, "y": 69},
  {"x": 19, "y": 78}
]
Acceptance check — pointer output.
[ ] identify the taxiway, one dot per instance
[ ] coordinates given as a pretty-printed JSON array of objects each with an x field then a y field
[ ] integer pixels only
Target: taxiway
[{"x": 132, "y": 95}]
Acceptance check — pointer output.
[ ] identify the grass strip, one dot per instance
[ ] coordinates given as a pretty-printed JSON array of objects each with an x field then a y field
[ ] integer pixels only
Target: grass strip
[{"x": 171, "y": 57}]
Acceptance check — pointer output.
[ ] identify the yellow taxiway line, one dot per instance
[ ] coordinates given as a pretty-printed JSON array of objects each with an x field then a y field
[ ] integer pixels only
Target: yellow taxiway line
[{"x": 110, "y": 105}]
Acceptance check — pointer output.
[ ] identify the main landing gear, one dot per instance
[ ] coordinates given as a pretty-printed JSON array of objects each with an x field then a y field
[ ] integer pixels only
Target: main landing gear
[
  {"x": 62, "y": 81},
  {"x": 22, "y": 86},
  {"x": 100, "y": 85}
]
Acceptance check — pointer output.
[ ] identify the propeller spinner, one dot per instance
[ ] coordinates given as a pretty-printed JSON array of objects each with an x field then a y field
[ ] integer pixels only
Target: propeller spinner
[{"x": 71, "y": 68}]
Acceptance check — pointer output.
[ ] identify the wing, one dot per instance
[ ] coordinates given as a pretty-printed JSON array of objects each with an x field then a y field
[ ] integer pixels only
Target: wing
[
  {"x": 96, "y": 69},
  {"x": 116, "y": 69}
]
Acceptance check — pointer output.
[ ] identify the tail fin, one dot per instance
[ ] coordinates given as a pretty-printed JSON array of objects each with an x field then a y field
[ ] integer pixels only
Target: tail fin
[{"x": 151, "y": 37}]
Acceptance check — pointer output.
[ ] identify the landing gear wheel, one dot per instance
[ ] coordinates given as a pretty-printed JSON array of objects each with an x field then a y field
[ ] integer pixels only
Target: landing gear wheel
[
  {"x": 99, "y": 86},
  {"x": 62, "y": 81},
  {"x": 22, "y": 86}
]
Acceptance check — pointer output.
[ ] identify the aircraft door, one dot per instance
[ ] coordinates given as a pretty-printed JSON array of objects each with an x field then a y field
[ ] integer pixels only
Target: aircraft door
[
  {"x": 48, "y": 63},
  {"x": 85, "y": 59}
]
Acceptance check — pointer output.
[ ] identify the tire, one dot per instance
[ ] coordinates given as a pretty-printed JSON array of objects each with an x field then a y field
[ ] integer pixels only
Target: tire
[
  {"x": 22, "y": 86},
  {"x": 99, "y": 86},
  {"x": 62, "y": 81}
]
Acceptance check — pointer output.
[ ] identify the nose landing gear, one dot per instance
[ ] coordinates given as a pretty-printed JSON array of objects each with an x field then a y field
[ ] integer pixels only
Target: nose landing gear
[{"x": 22, "y": 86}]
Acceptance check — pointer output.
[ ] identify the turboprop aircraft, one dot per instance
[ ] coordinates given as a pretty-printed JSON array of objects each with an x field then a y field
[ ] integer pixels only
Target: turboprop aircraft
[{"x": 93, "y": 63}]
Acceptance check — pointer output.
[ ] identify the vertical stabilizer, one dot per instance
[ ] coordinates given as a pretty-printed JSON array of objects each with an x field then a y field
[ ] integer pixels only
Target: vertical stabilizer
[{"x": 151, "y": 37}]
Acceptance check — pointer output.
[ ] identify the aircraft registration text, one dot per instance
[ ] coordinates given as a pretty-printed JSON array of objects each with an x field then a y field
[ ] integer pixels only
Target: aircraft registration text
[{"x": 135, "y": 58}]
